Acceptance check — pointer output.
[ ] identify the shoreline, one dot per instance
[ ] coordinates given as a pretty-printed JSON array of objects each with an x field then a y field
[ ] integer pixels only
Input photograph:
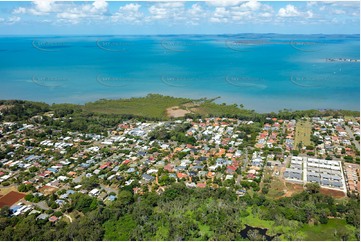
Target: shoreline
[{"x": 216, "y": 100}]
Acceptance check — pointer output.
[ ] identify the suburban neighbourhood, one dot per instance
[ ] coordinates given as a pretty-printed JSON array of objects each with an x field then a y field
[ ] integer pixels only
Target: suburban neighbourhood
[{"x": 42, "y": 172}]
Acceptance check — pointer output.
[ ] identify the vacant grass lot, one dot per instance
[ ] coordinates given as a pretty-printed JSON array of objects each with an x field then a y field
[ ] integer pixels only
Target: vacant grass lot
[
  {"x": 277, "y": 188},
  {"x": 303, "y": 133}
]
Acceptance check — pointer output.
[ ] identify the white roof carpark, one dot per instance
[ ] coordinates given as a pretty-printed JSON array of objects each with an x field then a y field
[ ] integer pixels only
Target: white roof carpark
[
  {"x": 336, "y": 178},
  {"x": 332, "y": 162},
  {"x": 296, "y": 166},
  {"x": 296, "y": 162},
  {"x": 313, "y": 174},
  {"x": 325, "y": 176},
  {"x": 312, "y": 164},
  {"x": 325, "y": 166},
  {"x": 293, "y": 170},
  {"x": 314, "y": 170},
  {"x": 337, "y": 173}
]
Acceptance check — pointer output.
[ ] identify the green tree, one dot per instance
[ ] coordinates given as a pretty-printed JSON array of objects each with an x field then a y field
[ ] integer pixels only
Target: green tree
[
  {"x": 119, "y": 229},
  {"x": 125, "y": 197},
  {"x": 313, "y": 187}
]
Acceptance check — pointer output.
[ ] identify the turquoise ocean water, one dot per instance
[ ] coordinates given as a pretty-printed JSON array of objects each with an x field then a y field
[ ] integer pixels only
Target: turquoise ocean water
[{"x": 265, "y": 72}]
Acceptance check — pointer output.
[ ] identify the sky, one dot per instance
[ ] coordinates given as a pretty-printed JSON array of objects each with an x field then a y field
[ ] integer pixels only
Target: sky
[{"x": 178, "y": 17}]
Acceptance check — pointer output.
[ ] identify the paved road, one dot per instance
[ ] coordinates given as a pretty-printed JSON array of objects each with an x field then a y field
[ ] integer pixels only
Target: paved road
[
  {"x": 349, "y": 131},
  {"x": 304, "y": 170}
]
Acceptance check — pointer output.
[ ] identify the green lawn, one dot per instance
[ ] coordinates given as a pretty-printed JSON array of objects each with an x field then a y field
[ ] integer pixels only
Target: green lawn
[
  {"x": 303, "y": 133},
  {"x": 276, "y": 189},
  {"x": 254, "y": 221},
  {"x": 333, "y": 230}
]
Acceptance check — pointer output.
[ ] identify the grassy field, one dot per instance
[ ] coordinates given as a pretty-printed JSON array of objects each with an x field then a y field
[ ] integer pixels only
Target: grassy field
[
  {"x": 155, "y": 106},
  {"x": 6, "y": 190},
  {"x": 293, "y": 188},
  {"x": 276, "y": 185},
  {"x": 335, "y": 229},
  {"x": 277, "y": 188},
  {"x": 254, "y": 221},
  {"x": 303, "y": 133},
  {"x": 330, "y": 231},
  {"x": 350, "y": 118}
]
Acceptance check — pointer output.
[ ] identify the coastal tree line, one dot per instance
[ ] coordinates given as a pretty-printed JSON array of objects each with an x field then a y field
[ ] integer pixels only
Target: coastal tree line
[{"x": 84, "y": 118}]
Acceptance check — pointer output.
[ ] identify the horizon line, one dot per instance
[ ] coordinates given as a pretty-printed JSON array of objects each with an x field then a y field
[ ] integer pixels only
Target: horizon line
[{"x": 173, "y": 34}]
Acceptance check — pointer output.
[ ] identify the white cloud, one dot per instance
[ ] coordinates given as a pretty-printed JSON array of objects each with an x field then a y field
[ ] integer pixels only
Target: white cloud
[
  {"x": 100, "y": 5},
  {"x": 14, "y": 19},
  {"x": 289, "y": 11},
  {"x": 43, "y": 7},
  {"x": 195, "y": 14},
  {"x": 311, "y": 4},
  {"x": 39, "y": 8},
  {"x": 89, "y": 12},
  {"x": 338, "y": 11},
  {"x": 171, "y": 11},
  {"x": 348, "y": 4},
  {"x": 221, "y": 12},
  {"x": 265, "y": 15},
  {"x": 128, "y": 13},
  {"x": 132, "y": 7},
  {"x": 10, "y": 20},
  {"x": 292, "y": 11},
  {"x": 251, "y": 11},
  {"x": 220, "y": 15},
  {"x": 19, "y": 10},
  {"x": 215, "y": 11},
  {"x": 224, "y": 3},
  {"x": 338, "y": 8},
  {"x": 237, "y": 16},
  {"x": 309, "y": 14},
  {"x": 248, "y": 6},
  {"x": 66, "y": 12},
  {"x": 196, "y": 9}
]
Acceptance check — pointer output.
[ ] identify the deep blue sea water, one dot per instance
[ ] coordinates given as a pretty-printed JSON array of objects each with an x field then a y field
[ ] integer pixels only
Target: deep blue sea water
[{"x": 265, "y": 72}]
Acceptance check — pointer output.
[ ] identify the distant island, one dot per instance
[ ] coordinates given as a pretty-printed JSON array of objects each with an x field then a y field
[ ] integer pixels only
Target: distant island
[{"x": 342, "y": 60}]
